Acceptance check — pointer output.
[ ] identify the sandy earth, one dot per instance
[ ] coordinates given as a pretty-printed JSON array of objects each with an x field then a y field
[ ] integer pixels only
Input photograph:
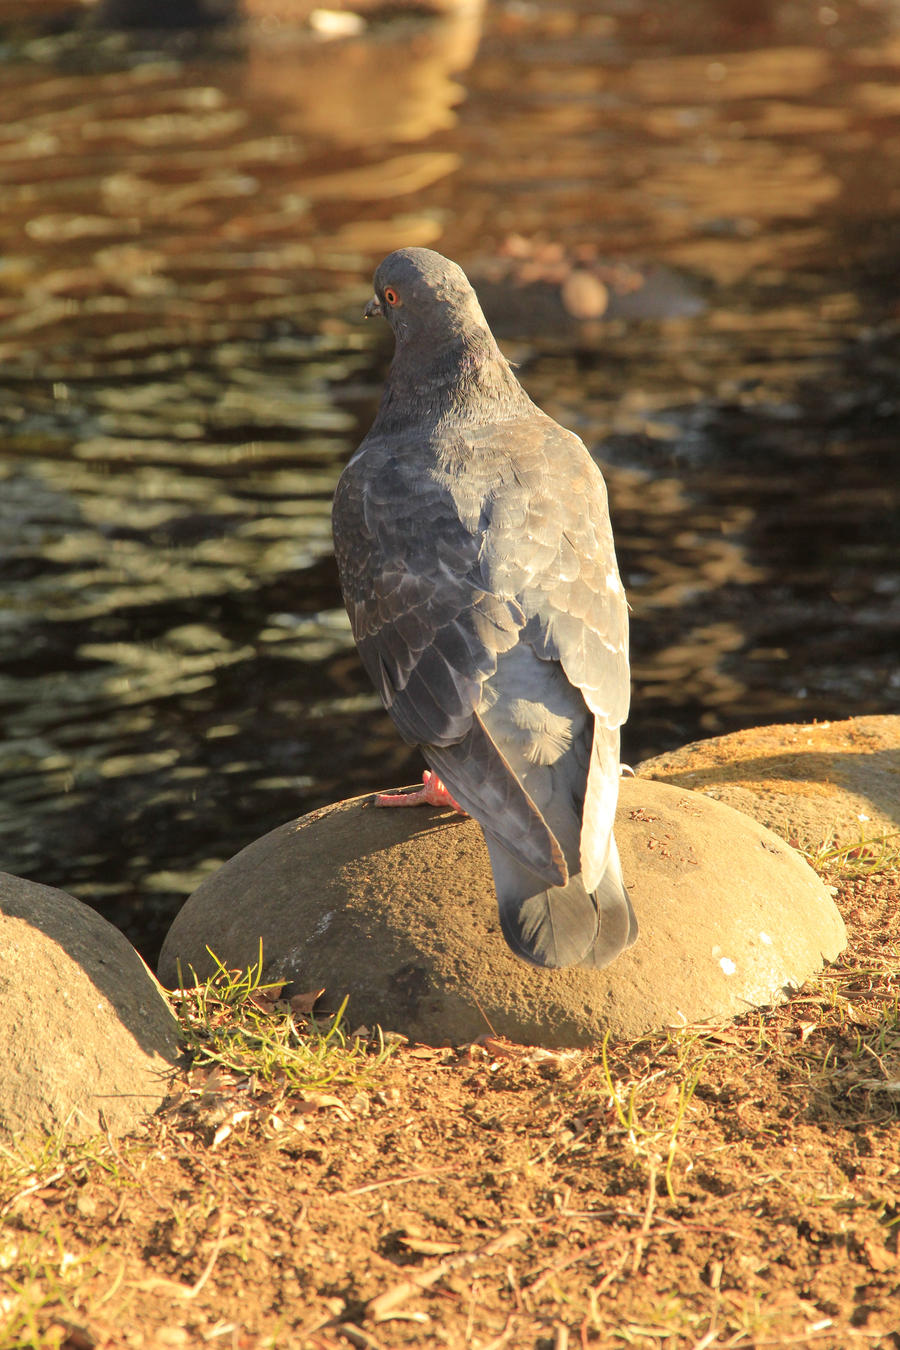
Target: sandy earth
[{"x": 729, "y": 1186}]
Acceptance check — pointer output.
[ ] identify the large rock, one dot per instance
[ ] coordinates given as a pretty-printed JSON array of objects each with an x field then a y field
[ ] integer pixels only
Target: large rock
[
  {"x": 87, "y": 1038},
  {"x": 397, "y": 909},
  {"x": 809, "y": 783}
]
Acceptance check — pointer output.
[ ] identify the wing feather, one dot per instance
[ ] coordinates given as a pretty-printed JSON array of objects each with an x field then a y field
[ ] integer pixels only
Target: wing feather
[{"x": 443, "y": 572}]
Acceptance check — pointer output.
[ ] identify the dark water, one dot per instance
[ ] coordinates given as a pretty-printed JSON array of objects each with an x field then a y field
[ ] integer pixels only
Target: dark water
[{"x": 685, "y": 225}]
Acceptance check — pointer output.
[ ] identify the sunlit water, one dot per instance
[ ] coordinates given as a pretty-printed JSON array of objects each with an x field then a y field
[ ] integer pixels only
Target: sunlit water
[{"x": 684, "y": 222}]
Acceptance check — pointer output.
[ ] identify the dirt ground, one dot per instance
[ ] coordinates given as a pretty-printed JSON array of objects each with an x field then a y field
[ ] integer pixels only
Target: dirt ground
[{"x": 711, "y": 1186}]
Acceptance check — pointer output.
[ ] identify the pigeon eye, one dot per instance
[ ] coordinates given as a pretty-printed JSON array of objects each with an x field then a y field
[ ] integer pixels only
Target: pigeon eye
[{"x": 391, "y": 296}]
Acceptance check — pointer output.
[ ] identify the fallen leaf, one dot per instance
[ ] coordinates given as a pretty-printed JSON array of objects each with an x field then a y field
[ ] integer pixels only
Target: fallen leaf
[
  {"x": 877, "y": 1256},
  {"x": 427, "y": 1247},
  {"x": 315, "y": 1101},
  {"x": 221, "y": 1135},
  {"x": 262, "y": 1003},
  {"x": 303, "y": 1004}
]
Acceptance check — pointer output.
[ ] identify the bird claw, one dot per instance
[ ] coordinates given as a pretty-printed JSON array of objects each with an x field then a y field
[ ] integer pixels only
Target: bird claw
[{"x": 432, "y": 793}]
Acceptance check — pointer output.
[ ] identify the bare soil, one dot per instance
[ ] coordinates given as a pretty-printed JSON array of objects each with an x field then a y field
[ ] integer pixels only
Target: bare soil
[{"x": 720, "y": 1186}]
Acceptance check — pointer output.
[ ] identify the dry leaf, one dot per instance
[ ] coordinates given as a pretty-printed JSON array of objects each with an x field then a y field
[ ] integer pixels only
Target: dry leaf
[
  {"x": 303, "y": 1004},
  {"x": 225, "y": 1130},
  {"x": 262, "y": 1003},
  {"x": 221, "y": 1135},
  {"x": 878, "y": 1257},
  {"x": 427, "y": 1247},
  {"x": 314, "y": 1101}
]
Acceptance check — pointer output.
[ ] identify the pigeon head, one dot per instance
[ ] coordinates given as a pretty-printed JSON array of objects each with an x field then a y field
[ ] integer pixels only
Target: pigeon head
[
  {"x": 447, "y": 366},
  {"x": 426, "y": 299}
]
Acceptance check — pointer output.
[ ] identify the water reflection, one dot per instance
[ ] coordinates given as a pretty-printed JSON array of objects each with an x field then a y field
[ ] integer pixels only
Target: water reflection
[{"x": 683, "y": 224}]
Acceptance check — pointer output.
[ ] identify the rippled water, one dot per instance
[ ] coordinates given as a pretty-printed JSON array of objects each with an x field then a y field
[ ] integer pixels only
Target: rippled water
[{"x": 684, "y": 223}]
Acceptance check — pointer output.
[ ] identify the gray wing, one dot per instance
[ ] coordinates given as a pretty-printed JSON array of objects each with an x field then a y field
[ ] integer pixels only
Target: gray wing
[
  {"x": 562, "y": 567},
  {"x": 429, "y": 633},
  {"x": 449, "y": 562}
]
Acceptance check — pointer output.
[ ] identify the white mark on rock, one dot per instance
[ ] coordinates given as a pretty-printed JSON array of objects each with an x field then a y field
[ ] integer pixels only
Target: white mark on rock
[
  {"x": 764, "y": 937},
  {"x": 322, "y": 926},
  {"x": 727, "y": 965}
]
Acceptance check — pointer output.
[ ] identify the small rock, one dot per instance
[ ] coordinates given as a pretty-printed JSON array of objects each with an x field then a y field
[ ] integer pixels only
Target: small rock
[
  {"x": 87, "y": 1039},
  {"x": 808, "y": 783}
]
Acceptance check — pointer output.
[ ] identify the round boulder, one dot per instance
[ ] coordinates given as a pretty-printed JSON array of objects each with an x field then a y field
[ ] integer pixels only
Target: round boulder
[
  {"x": 397, "y": 909},
  {"x": 87, "y": 1039},
  {"x": 812, "y": 784}
]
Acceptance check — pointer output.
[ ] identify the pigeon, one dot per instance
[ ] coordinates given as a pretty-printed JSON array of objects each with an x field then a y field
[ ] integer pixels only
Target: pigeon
[{"x": 476, "y": 561}]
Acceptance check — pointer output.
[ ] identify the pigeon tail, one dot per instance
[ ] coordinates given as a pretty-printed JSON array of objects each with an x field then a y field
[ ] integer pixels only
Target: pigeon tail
[
  {"x": 552, "y": 927},
  {"x": 618, "y": 926},
  {"x": 563, "y": 925}
]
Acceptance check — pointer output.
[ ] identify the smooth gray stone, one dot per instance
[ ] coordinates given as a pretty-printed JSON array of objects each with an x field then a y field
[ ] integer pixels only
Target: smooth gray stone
[
  {"x": 87, "y": 1038},
  {"x": 809, "y": 782},
  {"x": 396, "y": 908}
]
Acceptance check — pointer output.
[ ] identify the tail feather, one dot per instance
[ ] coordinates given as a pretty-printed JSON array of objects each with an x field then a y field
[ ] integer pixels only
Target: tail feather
[
  {"x": 618, "y": 926},
  {"x": 562, "y": 925},
  {"x": 556, "y": 927}
]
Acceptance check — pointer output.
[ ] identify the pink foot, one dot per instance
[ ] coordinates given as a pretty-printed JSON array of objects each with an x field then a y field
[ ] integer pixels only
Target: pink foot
[{"x": 432, "y": 794}]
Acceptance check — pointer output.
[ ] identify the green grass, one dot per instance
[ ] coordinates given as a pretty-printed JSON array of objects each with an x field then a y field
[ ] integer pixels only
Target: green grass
[
  {"x": 656, "y": 1142},
  {"x": 866, "y": 857},
  {"x": 234, "y": 1022},
  {"x": 42, "y": 1274},
  {"x": 247, "y": 1039}
]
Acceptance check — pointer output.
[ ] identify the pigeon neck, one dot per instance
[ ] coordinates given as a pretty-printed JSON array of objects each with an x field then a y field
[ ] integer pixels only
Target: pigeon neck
[{"x": 466, "y": 381}]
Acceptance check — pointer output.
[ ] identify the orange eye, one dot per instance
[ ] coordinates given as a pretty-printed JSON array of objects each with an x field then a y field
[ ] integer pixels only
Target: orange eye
[{"x": 391, "y": 296}]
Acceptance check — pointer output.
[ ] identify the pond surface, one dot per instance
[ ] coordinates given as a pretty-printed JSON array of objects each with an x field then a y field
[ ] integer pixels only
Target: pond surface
[{"x": 684, "y": 222}]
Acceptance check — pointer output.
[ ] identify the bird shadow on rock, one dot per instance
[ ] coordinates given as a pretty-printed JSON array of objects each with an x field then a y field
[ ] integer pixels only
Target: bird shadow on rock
[
  {"x": 402, "y": 822},
  {"x": 381, "y": 828}
]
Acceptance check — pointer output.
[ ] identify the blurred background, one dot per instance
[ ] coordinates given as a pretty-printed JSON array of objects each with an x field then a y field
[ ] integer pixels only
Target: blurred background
[{"x": 684, "y": 224}]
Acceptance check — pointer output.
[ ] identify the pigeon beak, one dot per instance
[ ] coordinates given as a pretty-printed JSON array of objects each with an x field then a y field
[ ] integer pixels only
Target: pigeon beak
[{"x": 373, "y": 308}]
